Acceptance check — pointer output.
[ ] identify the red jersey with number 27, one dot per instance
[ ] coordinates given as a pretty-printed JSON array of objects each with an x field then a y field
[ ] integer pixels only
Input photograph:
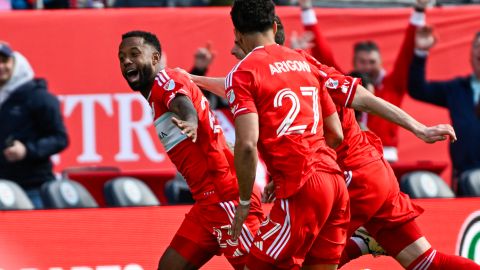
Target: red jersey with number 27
[
  {"x": 358, "y": 147},
  {"x": 281, "y": 86},
  {"x": 207, "y": 164}
]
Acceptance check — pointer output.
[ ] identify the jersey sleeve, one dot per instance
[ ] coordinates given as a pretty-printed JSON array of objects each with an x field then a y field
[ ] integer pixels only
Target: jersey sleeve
[
  {"x": 341, "y": 88},
  {"x": 239, "y": 92},
  {"x": 328, "y": 107},
  {"x": 170, "y": 89}
]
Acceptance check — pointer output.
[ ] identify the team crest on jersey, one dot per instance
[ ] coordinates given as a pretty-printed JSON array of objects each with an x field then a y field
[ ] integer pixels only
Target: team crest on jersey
[
  {"x": 331, "y": 83},
  {"x": 170, "y": 85},
  {"x": 231, "y": 96}
]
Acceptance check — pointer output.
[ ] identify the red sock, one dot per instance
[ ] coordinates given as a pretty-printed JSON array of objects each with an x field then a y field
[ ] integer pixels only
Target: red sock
[
  {"x": 434, "y": 260},
  {"x": 351, "y": 252}
]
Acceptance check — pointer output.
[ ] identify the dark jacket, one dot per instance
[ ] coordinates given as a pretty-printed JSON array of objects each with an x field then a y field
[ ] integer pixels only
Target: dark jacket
[
  {"x": 32, "y": 116},
  {"x": 457, "y": 96}
]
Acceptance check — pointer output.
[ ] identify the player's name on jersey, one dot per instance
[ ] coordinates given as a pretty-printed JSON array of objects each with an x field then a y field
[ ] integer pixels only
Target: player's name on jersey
[{"x": 289, "y": 66}]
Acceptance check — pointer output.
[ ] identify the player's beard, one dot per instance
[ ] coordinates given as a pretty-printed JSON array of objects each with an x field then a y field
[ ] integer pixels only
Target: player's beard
[{"x": 144, "y": 81}]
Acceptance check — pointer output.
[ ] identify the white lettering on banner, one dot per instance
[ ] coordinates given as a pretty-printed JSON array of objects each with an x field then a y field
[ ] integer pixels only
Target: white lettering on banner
[
  {"x": 128, "y": 126},
  {"x": 131, "y": 266},
  {"x": 87, "y": 103}
]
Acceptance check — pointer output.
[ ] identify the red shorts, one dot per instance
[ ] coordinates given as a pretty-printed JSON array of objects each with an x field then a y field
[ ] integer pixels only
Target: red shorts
[
  {"x": 376, "y": 201},
  {"x": 308, "y": 228},
  {"x": 204, "y": 233}
]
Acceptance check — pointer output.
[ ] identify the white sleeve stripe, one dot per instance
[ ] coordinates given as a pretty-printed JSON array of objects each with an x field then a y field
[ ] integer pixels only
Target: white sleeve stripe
[
  {"x": 228, "y": 81},
  {"x": 160, "y": 77},
  {"x": 165, "y": 74},
  {"x": 350, "y": 91},
  {"x": 239, "y": 110},
  {"x": 323, "y": 73}
]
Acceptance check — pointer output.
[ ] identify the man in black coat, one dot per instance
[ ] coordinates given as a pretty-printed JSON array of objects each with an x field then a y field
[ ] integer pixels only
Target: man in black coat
[{"x": 31, "y": 125}]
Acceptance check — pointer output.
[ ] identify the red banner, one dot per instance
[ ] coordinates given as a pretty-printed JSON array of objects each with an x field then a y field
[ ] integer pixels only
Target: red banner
[
  {"x": 135, "y": 238},
  {"x": 76, "y": 51}
]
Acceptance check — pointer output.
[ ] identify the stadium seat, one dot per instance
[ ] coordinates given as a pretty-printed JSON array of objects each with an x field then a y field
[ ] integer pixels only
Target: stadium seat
[
  {"x": 12, "y": 197},
  {"x": 177, "y": 191},
  {"x": 469, "y": 184},
  {"x": 66, "y": 194},
  {"x": 128, "y": 191},
  {"x": 424, "y": 184}
]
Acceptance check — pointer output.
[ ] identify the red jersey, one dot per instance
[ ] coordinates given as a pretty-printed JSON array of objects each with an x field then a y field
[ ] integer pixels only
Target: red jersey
[
  {"x": 358, "y": 147},
  {"x": 391, "y": 86},
  {"x": 207, "y": 164},
  {"x": 280, "y": 86}
]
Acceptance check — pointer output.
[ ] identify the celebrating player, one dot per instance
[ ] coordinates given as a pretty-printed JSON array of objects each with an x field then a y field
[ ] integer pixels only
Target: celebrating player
[
  {"x": 376, "y": 200},
  {"x": 195, "y": 143},
  {"x": 284, "y": 112}
]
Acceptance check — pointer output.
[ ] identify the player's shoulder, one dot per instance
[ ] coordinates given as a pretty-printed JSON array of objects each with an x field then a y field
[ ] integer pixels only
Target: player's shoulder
[{"x": 169, "y": 79}]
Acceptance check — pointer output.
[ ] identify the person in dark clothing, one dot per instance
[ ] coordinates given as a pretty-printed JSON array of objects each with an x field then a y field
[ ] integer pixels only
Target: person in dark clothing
[
  {"x": 202, "y": 60},
  {"x": 32, "y": 128},
  {"x": 461, "y": 96}
]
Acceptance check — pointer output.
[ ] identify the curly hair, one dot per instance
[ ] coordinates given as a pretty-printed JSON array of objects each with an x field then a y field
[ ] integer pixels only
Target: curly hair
[
  {"x": 249, "y": 16},
  {"x": 148, "y": 38}
]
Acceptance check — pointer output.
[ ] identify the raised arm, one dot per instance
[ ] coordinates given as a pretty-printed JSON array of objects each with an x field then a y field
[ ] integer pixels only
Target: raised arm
[
  {"x": 401, "y": 66},
  {"x": 367, "y": 102},
  {"x": 418, "y": 87},
  {"x": 321, "y": 50}
]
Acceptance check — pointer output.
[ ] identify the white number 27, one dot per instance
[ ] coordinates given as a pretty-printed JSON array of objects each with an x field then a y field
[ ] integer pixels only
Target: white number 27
[{"x": 286, "y": 127}]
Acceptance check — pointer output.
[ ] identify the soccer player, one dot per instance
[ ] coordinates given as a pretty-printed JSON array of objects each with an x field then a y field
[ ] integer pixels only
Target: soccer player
[
  {"x": 376, "y": 200},
  {"x": 285, "y": 111},
  {"x": 391, "y": 86},
  {"x": 195, "y": 143}
]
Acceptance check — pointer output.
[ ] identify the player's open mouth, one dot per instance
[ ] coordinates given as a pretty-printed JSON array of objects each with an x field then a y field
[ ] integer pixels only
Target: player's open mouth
[{"x": 132, "y": 75}]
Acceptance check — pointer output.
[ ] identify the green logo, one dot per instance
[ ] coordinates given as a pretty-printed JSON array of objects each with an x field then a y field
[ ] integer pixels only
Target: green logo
[{"x": 468, "y": 244}]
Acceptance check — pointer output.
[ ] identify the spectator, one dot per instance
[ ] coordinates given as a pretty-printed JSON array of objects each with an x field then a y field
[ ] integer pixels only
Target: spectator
[
  {"x": 202, "y": 60},
  {"x": 390, "y": 86},
  {"x": 362, "y": 117},
  {"x": 460, "y": 96},
  {"x": 32, "y": 127}
]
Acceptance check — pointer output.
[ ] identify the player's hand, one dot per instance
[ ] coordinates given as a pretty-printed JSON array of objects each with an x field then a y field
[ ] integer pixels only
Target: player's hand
[
  {"x": 240, "y": 215},
  {"x": 422, "y": 3},
  {"x": 184, "y": 72},
  {"x": 268, "y": 193},
  {"x": 204, "y": 57},
  {"x": 16, "y": 152},
  {"x": 305, "y": 4},
  {"x": 437, "y": 133},
  {"x": 425, "y": 38},
  {"x": 186, "y": 128},
  {"x": 302, "y": 42}
]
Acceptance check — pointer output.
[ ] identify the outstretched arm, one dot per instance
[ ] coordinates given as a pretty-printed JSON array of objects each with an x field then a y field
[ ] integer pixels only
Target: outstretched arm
[
  {"x": 210, "y": 84},
  {"x": 188, "y": 123},
  {"x": 367, "y": 102}
]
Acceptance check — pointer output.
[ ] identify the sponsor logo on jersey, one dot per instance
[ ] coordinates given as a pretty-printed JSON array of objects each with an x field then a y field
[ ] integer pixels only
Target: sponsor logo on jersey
[
  {"x": 231, "y": 96},
  {"x": 170, "y": 85},
  {"x": 331, "y": 83},
  {"x": 345, "y": 86},
  {"x": 468, "y": 243}
]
